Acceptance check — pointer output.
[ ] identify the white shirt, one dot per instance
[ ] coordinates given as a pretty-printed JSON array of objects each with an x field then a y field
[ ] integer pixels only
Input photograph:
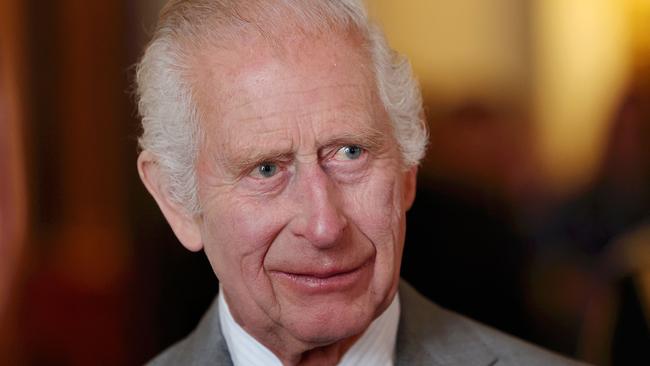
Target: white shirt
[{"x": 375, "y": 347}]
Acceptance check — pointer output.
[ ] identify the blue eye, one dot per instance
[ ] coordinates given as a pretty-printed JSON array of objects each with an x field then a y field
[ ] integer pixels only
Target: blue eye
[
  {"x": 350, "y": 152},
  {"x": 267, "y": 170}
]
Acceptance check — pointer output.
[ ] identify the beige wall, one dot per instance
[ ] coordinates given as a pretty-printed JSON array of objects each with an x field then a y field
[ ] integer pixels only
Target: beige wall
[
  {"x": 460, "y": 49},
  {"x": 568, "y": 59},
  {"x": 582, "y": 50}
]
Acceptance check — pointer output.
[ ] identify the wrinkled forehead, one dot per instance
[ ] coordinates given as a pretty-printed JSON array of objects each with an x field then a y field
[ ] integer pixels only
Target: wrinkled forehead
[{"x": 228, "y": 79}]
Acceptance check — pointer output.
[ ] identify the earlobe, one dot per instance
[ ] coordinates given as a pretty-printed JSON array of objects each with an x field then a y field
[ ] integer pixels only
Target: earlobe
[
  {"x": 410, "y": 186},
  {"x": 185, "y": 226}
]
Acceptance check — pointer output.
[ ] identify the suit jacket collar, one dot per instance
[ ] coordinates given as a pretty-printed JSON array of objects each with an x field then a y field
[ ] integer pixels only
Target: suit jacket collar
[
  {"x": 206, "y": 344},
  {"x": 430, "y": 335}
]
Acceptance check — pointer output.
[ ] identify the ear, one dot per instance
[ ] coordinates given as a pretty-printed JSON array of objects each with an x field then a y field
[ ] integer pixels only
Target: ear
[
  {"x": 184, "y": 225},
  {"x": 410, "y": 186}
]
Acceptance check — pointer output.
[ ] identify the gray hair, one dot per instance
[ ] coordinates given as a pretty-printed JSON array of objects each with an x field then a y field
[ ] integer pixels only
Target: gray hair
[{"x": 170, "y": 118}]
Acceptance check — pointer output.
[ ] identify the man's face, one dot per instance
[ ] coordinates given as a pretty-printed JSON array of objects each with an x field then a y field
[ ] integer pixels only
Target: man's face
[{"x": 302, "y": 188}]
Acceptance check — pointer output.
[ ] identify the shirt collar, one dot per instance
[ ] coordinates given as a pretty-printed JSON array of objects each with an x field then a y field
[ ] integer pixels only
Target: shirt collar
[{"x": 375, "y": 347}]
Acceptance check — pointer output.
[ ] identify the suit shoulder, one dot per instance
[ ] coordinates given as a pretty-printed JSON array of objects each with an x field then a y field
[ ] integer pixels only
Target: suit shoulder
[
  {"x": 450, "y": 338},
  {"x": 204, "y": 346},
  {"x": 184, "y": 352},
  {"x": 512, "y": 350},
  {"x": 174, "y": 355}
]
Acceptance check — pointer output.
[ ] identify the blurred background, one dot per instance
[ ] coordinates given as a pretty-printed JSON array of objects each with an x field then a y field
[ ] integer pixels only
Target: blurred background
[{"x": 533, "y": 210}]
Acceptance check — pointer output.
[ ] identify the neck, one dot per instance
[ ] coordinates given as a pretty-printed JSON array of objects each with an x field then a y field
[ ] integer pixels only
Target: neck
[
  {"x": 324, "y": 355},
  {"x": 272, "y": 342},
  {"x": 288, "y": 349},
  {"x": 292, "y": 351}
]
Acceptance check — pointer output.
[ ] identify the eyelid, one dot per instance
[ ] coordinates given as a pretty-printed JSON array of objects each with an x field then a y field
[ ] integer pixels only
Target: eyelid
[
  {"x": 254, "y": 182},
  {"x": 281, "y": 161},
  {"x": 339, "y": 147},
  {"x": 246, "y": 168},
  {"x": 254, "y": 171}
]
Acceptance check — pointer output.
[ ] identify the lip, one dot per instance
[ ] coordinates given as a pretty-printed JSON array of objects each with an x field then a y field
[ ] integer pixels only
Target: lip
[{"x": 322, "y": 282}]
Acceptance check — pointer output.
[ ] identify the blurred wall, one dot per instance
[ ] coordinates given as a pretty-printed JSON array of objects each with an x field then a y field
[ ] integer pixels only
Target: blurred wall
[
  {"x": 461, "y": 49},
  {"x": 72, "y": 304},
  {"x": 568, "y": 61},
  {"x": 13, "y": 205},
  {"x": 582, "y": 67}
]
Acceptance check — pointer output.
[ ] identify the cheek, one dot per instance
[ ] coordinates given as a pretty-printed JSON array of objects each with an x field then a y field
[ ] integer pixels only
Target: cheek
[
  {"x": 375, "y": 206},
  {"x": 238, "y": 234},
  {"x": 380, "y": 218}
]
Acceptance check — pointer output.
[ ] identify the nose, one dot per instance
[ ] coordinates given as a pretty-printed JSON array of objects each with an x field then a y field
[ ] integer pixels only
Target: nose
[{"x": 319, "y": 218}]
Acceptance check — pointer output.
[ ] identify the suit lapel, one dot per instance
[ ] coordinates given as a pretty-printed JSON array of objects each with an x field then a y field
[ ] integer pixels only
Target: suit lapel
[
  {"x": 429, "y": 335},
  {"x": 206, "y": 345}
]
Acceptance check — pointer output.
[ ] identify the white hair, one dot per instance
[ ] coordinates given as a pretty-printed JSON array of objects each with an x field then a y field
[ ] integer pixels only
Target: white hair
[{"x": 170, "y": 119}]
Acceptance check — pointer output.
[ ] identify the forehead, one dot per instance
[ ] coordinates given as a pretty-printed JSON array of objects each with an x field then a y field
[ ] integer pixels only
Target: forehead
[{"x": 256, "y": 90}]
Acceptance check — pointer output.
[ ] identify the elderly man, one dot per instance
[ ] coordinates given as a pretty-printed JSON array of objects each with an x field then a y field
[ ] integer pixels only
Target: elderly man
[{"x": 282, "y": 137}]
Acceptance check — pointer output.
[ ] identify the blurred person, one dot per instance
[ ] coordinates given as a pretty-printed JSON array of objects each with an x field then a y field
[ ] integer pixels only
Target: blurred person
[{"x": 283, "y": 138}]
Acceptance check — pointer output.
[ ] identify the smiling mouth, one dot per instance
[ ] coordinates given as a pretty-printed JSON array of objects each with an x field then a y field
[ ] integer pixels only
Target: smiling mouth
[{"x": 323, "y": 282}]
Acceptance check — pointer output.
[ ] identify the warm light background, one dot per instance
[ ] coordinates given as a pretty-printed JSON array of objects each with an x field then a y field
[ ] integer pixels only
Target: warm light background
[
  {"x": 569, "y": 60},
  {"x": 533, "y": 208}
]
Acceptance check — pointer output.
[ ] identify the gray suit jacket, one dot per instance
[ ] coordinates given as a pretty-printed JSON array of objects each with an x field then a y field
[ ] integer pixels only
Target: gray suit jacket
[{"x": 427, "y": 335}]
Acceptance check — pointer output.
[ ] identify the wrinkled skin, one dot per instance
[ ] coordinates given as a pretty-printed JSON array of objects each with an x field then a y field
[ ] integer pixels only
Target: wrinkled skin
[{"x": 303, "y": 193}]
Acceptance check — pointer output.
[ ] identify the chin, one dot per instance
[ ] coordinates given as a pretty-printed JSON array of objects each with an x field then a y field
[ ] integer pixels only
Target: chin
[{"x": 331, "y": 325}]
